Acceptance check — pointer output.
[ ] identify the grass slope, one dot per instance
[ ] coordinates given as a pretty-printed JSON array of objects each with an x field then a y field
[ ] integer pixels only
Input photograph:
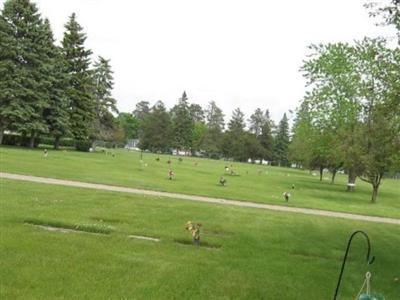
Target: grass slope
[
  {"x": 263, "y": 255},
  {"x": 201, "y": 177}
]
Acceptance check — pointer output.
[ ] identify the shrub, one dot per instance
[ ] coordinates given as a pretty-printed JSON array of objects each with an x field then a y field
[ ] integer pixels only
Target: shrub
[
  {"x": 18, "y": 140},
  {"x": 83, "y": 145}
]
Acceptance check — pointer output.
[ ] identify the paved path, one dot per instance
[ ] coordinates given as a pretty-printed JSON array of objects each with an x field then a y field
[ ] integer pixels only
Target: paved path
[{"x": 306, "y": 211}]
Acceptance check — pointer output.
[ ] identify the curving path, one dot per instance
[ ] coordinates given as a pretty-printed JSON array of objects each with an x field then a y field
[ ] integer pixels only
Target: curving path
[{"x": 306, "y": 211}]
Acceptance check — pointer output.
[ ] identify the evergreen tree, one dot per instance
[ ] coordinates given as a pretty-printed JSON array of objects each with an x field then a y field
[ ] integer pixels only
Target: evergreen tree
[
  {"x": 182, "y": 124},
  {"x": 257, "y": 120},
  {"x": 282, "y": 142},
  {"x": 215, "y": 125},
  {"x": 9, "y": 102},
  {"x": 233, "y": 144},
  {"x": 215, "y": 117},
  {"x": 237, "y": 121},
  {"x": 196, "y": 113},
  {"x": 27, "y": 60},
  {"x": 80, "y": 80},
  {"x": 266, "y": 139},
  {"x": 141, "y": 111},
  {"x": 104, "y": 102},
  {"x": 156, "y": 132},
  {"x": 56, "y": 114}
]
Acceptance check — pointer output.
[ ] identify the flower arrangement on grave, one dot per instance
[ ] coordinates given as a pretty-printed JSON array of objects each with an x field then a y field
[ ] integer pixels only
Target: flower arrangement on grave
[{"x": 194, "y": 229}]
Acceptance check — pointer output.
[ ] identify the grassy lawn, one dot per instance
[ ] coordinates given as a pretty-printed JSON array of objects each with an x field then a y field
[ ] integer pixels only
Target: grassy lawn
[
  {"x": 201, "y": 176},
  {"x": 262, "y": 255}
]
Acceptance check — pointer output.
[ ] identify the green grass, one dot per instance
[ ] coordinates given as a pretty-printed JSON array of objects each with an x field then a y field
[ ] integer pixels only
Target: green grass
[
  {"x": 254, "y": 183},
  {"x": 262, "y": 254}
]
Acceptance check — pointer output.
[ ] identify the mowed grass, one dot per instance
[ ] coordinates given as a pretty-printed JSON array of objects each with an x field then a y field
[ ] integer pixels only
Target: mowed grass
[
  {"x": 262, "y": 254},
  {"x": 201, "y": 176}
]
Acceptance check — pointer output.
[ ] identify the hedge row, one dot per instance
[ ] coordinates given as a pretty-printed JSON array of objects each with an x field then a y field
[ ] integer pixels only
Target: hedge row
[
  {"x": 17, "y": 140},
  {"x": 80, "y": 145}
]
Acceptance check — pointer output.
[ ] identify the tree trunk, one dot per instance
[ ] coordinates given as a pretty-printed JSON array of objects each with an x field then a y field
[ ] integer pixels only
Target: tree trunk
[
  {"x": 321, "y": 172},
  {"x": 1, "y": 134},
  {"x": 334, "y": 171},
  {"x": 374, "y": 193},
  {"x": 56, "y": 142},
  {"x": 352, "y": 180},
  {"x": 32, "y": 140}
]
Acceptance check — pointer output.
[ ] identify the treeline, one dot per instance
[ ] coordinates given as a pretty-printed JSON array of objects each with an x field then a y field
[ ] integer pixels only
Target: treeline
[
  {"x": 49, "y": 90},
  {"x": 201, "y": 131},
  {"x": 350, "y": 116}
]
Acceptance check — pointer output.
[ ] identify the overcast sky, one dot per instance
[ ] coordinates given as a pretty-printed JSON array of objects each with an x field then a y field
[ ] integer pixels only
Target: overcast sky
[{"x": 243, "y": 53}]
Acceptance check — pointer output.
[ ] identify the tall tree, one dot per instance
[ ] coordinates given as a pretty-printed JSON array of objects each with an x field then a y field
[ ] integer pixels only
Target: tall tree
[
  {"x": 25, "y": 34},
  {"x": 156, "y": 132},
  {"x": 215, "y": 125},
  {"x": 196, "y": 113},
  {"x": 56, "y": 114},
  {"x": 237, "y": 122},
  {"x": 282, "y": 142},
  {"x": 141, "y": 111},
  {"x": 80, "y": 79},
  {"x": 233, "y": 143},
  {"x": 10, "y": 106},
  {"x": 105, "y": 104},
  {"x": 182, "y": 124},
  {"x": 266, "y": 139},
  {"x": 257, "y": 121}
]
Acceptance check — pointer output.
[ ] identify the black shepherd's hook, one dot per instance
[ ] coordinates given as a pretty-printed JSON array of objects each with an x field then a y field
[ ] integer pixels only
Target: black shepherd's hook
[{"x": 370, "y": 259}]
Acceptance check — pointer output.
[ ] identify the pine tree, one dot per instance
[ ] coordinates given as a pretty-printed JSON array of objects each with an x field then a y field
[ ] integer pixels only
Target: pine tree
[
  {"x": 266, "y": 139},
  {"x": 257, "y": 120},
  {"x": 9, "y": 107},
  {"x": 215, "y": 124},
  {"x": 56, "y": 114},
  {"x": 80, "y": 81},
  {"x": 156, "y": 131},
  {"x": 24, "y": 112},
  {"x": 141, "y": 111},
  {"x": 104, "y": 102},
  {"x": 282, "y": 142},
  {"x": 237, "y": 121},
  {"x": 182, "y": 124},
  {"x": 233, "y": 144},
  {"x": 196, "y": 113}
]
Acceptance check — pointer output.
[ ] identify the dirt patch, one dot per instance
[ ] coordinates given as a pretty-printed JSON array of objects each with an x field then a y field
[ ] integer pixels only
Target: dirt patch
[
  {"x": 63, "y": 230},
  {"x": 142, "y": 237},
  {"x": 55, "y": 224},
  {"x": 202, "y": 244}
]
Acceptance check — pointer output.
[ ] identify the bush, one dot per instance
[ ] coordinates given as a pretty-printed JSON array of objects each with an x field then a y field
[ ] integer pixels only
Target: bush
[
  {"x": 18, "y": 140},
  {"x": 83, "y": 145}
]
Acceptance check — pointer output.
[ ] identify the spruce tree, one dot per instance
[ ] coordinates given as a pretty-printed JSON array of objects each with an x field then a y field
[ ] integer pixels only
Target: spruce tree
[
  {"x": 237, "y": 121},
  {"x": 233, "y": 144},
  {"x": 266, "y": 138},
  {"x": 215, "y": 125},
  {"x": 9, "y": 107},
  {"x": 105, "y": 104},
  {"x": 156, "y": 131},
  {"x": 80, "y": 80},
  {"x": 257, "y": 120},
  {"x": 56, "y": 114},
  {"x": 27, "y": 62},
  {"x": 182, "y": 124},
  {"x": 282, "y": 142}
]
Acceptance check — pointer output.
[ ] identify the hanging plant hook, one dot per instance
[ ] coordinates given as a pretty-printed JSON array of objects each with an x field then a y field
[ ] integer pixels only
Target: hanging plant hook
[{"x": 369, "y": 259}]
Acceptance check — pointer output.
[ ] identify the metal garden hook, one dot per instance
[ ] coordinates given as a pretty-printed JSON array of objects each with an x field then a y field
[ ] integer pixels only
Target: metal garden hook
[{"x": 370, "y": 259}]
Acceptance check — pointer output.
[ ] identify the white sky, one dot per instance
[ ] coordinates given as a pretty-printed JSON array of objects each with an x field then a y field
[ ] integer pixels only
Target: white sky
[{"x": 244, "y": 53}]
